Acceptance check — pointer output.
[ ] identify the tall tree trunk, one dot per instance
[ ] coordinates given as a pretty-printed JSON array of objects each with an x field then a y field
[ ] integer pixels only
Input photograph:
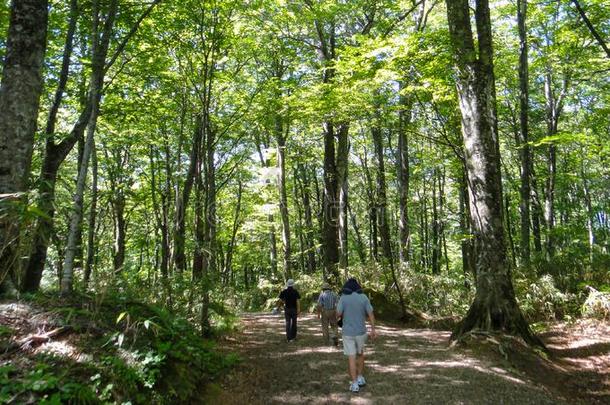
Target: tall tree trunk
[
  {"x": 382, "y": 216},
  {"x": 210, "y": 265},
  {"x": 523, "y": 144},
  {"x": 91, "y": 248},
  {"x": 265, "y": 163},
  {"x": 199, "y": 254},
  {"x": 371, "y": 209},
  {"x": 330, "y": 224},
  {"x": 404, "y": 242},
  {"x": 436, "y": 246},
  {"x": 120, "y": 233},
  {"x": 308, "y": 217},
  {"x": 99, "y": 53},
  {"x": 160, "y": 211},
  {"x": 589, "y": 205},
  {"x": 554, "y": 107},
  {"x": 20, "y": 91},
  {"x": 360, "y": 249},
  {"x": 298, "y": 205},
  {"x": 494, "y": 306},
  {"x": 442, "y": 216},
  {"x": 280, "y": 139},
  {"x": 236, "y": 221},
  {"x": 536, "y": 212},
  {"x": 468, "y": 254},
  {"x": 342, "y": 173},
  {"x": 331, "y": 211},
  {"x": 182, "y": 200}
]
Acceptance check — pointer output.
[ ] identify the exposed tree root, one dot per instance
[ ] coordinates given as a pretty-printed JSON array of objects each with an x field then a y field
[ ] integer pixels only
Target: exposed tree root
[{"x": 506, "y": 319}]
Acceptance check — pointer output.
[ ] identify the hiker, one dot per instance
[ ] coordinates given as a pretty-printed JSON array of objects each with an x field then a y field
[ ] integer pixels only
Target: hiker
[
  {"x": 290, "y": 298},
  {"x": 327, "y": 310},
  {"x": 353, "y": 308}
]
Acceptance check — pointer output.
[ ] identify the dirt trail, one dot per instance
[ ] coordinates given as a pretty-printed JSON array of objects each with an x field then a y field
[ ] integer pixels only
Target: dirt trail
[{"x": 404, "y": 366}]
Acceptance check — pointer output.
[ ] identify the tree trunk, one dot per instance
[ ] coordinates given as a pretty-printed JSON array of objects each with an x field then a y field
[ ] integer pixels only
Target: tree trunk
[
  {"x": 509, "y": 230},
  {"x": 91, "y": 248},
  {"x": 299, "y": 229},
  {"x": 270, "y": 219},
  {"x": 554, "y": 107},
  {"x": 199, "y": 254},
  {"x": 494, "y": 306},
  {"x": 20, "y": 90},
  {"x": 182, "y": 201},
  {"x": 330, "y": 223},
  {"x": 342, "y": 173},
  {"x": 371, "y": 209},
  {"x": 468, "y": 255},
  {"x": 442, "y": 216},
  {"x": 404, "y": 242},
  {"x": 589, "y": 205},
  {"x": 382, "y": 216},
  {"x": 436, "y": 247},
  {"x": 236, "y": 222},
  {"x": 210, "y": 265},
  {"x": 281, "y": 184},
  {"x": 523, "y": 144},
  {"x": 360, "y": 249},
  {"x": 308, "y": 217},
  {"x": 99, "y": 52},
  {"x": 536, "y": 212},
  {"x": 120, "y": 233}
]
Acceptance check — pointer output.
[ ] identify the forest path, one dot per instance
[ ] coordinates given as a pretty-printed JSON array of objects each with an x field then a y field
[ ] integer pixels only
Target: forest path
[{"x": 403, "y": 366}]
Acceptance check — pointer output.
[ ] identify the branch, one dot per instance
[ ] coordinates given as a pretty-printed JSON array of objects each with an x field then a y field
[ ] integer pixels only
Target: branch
[
  {"x": 130, "y": 34},
  {"x": 401, "y": 18},
  {"x": 592, "y": 29}
]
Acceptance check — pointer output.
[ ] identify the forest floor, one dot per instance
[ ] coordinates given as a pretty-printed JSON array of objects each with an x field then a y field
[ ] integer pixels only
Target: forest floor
[{"x": 416, "y": 366}]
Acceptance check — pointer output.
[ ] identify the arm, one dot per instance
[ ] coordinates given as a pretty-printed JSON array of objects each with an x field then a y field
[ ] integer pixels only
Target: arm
[
  {"x": 280, "y": 300},
  {"x": 373, "y": 334},
  {"x": 298, "y": 306}
]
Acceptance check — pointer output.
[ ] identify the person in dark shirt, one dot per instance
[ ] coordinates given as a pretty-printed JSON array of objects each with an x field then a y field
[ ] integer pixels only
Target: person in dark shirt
[{"x": 290, "y": 297}]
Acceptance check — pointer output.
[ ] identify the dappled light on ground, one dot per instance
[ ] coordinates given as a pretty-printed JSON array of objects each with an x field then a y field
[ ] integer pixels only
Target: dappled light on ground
[{"x": 404, "y": 366}]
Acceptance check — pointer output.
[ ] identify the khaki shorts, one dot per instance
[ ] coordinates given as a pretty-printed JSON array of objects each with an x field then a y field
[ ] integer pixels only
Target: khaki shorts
[{"x": 353, "y": 345}]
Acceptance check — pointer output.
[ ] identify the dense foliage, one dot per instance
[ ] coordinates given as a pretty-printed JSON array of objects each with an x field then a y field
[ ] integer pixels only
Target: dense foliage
[{"x": 208, "y": 181}]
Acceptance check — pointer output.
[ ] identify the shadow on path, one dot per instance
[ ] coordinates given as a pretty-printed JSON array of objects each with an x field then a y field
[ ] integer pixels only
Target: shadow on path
[{"x": 404, "y": 366}]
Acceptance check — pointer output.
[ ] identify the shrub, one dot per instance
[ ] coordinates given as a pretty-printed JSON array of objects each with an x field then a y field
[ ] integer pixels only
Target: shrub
[
  {"x": 597, "y": 304},
  {"x": 540, "y": 299}
]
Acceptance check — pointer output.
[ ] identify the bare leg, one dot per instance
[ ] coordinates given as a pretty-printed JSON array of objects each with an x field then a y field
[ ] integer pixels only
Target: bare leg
[
  {"x": 352, "y": 368},
  {"x": 360, "y": 364}
]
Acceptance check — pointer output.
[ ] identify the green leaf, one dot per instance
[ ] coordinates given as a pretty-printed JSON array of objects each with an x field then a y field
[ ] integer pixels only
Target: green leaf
[{"x": 121, "y": 316}]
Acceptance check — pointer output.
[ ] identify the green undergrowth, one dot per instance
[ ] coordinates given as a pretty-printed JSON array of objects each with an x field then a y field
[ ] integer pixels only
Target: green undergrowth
[{"x": 115, "y": 350}]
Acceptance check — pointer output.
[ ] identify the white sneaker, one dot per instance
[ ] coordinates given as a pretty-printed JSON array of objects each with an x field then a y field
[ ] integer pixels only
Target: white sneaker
[
  {"x": 361, "y": 381},
  {"x": 354, "y": 387}
]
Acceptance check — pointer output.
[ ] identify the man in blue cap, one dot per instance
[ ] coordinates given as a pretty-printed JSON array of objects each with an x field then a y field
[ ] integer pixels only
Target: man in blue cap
[{"x": 353, "y": 308}]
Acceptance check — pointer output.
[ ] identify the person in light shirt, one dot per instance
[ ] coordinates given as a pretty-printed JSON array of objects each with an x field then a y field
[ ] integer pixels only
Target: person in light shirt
[
  {"x": 327, "y": 311},
  {"x": 353, "y": 309}
]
